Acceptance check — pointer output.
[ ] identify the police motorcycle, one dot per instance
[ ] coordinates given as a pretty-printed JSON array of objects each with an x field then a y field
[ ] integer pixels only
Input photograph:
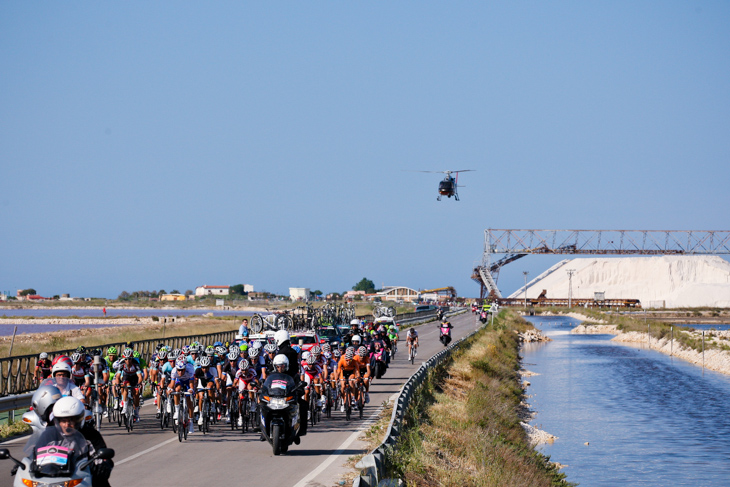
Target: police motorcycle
[
  {"x": 279, "y": 411},
  {"x": 59, "y": 456}
]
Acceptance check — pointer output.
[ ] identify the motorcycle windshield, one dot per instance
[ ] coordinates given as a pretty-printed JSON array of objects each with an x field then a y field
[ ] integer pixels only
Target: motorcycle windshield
[
  {"x": 55, "y": 452},
  {"x": 279, "y": 388}
]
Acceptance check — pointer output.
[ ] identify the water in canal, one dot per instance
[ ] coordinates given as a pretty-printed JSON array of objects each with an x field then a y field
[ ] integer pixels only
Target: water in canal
[{"x": 648, "y": 419}]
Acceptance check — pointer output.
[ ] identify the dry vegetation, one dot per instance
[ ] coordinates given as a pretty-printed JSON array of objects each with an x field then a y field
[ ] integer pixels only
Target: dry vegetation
[
  {"x": 90, "y": 337},
  {"x": 463, "y": 429}
]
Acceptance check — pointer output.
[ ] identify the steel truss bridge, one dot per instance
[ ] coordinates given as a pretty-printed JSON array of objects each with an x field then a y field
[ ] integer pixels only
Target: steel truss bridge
[{"x": 515, "y": 244}]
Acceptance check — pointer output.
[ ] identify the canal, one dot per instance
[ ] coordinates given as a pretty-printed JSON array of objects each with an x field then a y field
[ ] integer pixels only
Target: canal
[{"x": 626, "y": 415}]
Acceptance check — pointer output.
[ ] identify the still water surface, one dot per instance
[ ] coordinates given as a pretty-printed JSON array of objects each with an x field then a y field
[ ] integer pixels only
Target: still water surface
[{"x": 649, "y": 419}]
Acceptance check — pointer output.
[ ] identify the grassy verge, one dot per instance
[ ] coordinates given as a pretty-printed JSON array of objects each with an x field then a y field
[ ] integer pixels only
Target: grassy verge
[{"x": 463, "y": 428}]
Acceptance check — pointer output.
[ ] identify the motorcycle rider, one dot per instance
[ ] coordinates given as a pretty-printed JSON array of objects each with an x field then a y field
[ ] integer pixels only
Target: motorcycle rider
[
  {"x": 68, "y": 418},
  {"x": 278, "y": 378},
  {"x": 281, "y": 337},
  {"x": 445, "y": 329}
]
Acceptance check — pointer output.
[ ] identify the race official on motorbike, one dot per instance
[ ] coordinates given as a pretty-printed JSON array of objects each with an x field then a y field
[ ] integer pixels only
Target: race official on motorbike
[
  {"x": 44, "y": 403},
  {"x": 282, "y": 340}
]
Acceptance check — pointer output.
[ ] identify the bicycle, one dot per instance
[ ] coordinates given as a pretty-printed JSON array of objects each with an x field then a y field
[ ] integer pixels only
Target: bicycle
[
  {"x": 328, "y": 399},
  {"x": 412, "y": 352},
  {"x": 181, "y": 425},
  {"x": 233, "y": 410},
  {"x": 361, "y": 398},
  {"x": 128, "y": 410},
  {"x": 164, "y": 408},
  {"x": 96, "y": 408},
  {"x": 347, "y": 400},
  {"x": 272, "y": 322},
  {"x": 205, "y": 411},
  {"x": 313, "y": 409}
]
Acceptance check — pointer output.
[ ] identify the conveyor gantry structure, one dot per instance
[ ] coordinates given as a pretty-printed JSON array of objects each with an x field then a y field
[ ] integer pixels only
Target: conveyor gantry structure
[{"x": 519, "y": 243}]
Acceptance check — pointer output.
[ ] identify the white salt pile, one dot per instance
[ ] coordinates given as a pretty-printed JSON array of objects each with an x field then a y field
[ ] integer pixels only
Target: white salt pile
[{"x": 666, "y": 281}]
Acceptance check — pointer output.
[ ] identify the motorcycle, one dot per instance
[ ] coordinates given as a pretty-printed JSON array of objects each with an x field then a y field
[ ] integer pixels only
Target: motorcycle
[
  {"x": 445, "y": 337},
  {"x": 483, "y": 317},
  {"x": 54, "y": 465},
  {"x": 280, "y": 415},
  {"x": 378, "y": 363}
]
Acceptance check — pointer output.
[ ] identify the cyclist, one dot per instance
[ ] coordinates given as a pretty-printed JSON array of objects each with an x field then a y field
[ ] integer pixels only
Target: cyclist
[
  {"x": 130, "y": 373},
  {"x": 348, "y": 372},
  {"x": 312, "y": 375},
  {"x": 208, "y": 382},
  {"x": 182, "y": 378},
  {"x": 393, "y": 337},
  {"x": 246, "y": 383},
  {"x": 270, "y": 353},
  {"x": 42, "y": 367},
  {"x": 80, "y": 375},
  {"x": 412, "y": 340},
  {"x": 229, "y": 367},
  {"x": 363, "y": 363}
]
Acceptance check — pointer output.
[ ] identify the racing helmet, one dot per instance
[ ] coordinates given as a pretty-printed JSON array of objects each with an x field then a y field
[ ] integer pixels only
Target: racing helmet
[
  {"x": 281, "y": 336},
  {"x": 62, "y": 366},
  {"x": 43, "y": 400},
  {"x": 281, "y": 359},
  {"x": 72, "y": 408}
]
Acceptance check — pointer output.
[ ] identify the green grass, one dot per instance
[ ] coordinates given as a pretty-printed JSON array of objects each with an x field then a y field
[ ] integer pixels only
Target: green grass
[{"x": 462, "y": 428}]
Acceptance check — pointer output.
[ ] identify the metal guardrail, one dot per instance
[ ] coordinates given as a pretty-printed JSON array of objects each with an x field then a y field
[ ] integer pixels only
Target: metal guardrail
[
  {"x": 372, "y": 466},
  {"x": 11, "y": 403},
  {"x": 16, "y": 373}
]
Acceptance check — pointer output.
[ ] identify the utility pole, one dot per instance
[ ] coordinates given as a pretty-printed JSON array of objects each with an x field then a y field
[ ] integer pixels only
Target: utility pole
[
  {"x": 525, "y": 273},
  {"x": 570, "y": 287}
]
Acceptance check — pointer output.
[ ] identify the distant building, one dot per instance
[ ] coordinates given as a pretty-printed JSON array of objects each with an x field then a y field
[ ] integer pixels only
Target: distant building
[
  {"x": 212, "y": 290},
  {"x": 352, "y": 294},
  {"x": 173, "y": 297},
  {"x": 296, "y": 293},
  {"x": 396, "y": 293}
]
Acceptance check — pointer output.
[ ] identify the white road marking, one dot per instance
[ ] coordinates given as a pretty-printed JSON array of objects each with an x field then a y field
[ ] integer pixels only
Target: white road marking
[
  {"x": 339, "y": 451},
  {"x": 137, "y": 455}
]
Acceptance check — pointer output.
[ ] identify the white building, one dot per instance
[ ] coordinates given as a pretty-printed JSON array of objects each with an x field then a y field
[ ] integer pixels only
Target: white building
[
  {"x": 248, "y": 288},
  {"x": 212, "y": 290},
  {"x": 296, "y": 293}
]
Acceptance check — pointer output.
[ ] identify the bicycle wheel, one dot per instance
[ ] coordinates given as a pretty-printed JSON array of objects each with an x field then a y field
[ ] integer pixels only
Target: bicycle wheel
[
  {"x": 257, "y": 323},
  {"x": 206, "y": 416},
  {"x": 109, "y": 406},
  {"x": 312, "y": 408},
  {"x": 162, "y": 403},
  {"x": 360, "y": 405},
  {"x": 175, "y": 426},
  {"x": 390, "y": 312},
  {"x": 233, "y": 410},
  {"x": 284, "y": 322},
  {"x": 182, "y": 426},
  {"x": 243, "y": 411},
  {"x": 119, "y": 413},
  {"x": 328, "y": 403}
]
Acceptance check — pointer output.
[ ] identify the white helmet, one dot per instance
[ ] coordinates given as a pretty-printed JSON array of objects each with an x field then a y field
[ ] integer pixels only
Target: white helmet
[
  {"x": 61, "y": 366},
  {"x": 70, "y": 407},
  {"x": 355, "y": 322},
  {"x": 281, "y": 359},
  {"x": 257, "y": 344},
  {"x": 305, "y": 355},
  {"x": 281, "y": 336},
  {"x": 356, "y": 338}
]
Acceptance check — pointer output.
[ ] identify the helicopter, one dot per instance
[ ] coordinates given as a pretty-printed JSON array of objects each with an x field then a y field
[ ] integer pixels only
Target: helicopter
[{"x": 448, "y": 186}]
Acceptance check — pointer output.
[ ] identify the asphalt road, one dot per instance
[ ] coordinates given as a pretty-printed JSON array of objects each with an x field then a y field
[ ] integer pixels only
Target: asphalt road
[{"x": 151, "y": 457}]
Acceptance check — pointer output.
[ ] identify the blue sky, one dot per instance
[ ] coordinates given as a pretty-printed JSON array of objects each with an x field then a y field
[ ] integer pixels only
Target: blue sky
[{"x": 149, "y": 145}]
